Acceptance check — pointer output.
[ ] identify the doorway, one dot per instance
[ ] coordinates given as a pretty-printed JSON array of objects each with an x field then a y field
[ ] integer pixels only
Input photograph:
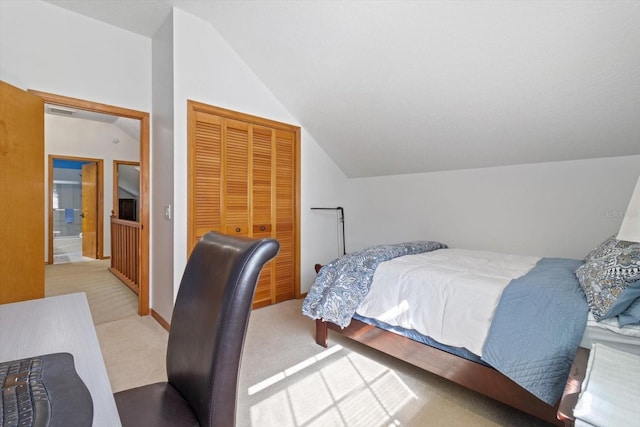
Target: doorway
[
  {"x": 143, "y": 118},
  {"x": 126, "y": 190},
  {"x": 75, "y": 194}
]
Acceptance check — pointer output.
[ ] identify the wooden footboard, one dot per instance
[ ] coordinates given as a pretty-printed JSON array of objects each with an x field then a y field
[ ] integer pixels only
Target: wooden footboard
[{"x": 472, "y": 375}]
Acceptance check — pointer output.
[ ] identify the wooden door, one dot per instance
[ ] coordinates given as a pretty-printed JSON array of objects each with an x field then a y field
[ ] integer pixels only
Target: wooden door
[
  {"x": 235, "y": 177},
  {"x": 21, "y": 195},
  {"x": 285, "y": 195},
  {"x": 205, "y": 175},
  {"x": 90, "y": 210},
  {"x": 262, "y": 204}
]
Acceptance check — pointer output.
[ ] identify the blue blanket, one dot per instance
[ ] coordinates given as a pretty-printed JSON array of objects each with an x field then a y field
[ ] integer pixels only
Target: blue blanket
[
  {"x": 341, "y": 285},
  {"x": 537, "y": 328}
]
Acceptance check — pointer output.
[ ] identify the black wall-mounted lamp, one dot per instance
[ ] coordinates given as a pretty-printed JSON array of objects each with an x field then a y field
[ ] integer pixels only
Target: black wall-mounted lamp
[{"x": 340, "y": 219}]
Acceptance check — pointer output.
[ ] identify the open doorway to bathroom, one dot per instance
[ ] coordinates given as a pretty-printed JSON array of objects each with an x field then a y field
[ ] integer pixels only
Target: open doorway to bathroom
[{"x": 75, "y": 200}]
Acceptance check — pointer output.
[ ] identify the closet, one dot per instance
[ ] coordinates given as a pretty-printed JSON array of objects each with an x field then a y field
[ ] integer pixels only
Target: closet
[{"x": 243, "y": 179}]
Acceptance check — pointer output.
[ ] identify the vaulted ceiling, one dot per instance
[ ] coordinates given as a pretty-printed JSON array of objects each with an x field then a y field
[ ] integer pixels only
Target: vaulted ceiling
[{"x": 395, "y": 87}]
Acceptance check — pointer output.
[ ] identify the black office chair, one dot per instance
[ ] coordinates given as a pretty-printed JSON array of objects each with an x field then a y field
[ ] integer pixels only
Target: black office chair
[{"x": 208, "y": 329}]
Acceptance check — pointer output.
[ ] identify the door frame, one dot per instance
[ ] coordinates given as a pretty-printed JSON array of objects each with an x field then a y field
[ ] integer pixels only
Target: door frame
[
  {"x": 99, "y": 196},
  {"x": 116, "y": 206},
  {"x": 80, "y": 104}
]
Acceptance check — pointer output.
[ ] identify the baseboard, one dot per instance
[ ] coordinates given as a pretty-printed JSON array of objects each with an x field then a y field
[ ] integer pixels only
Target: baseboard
[{"x": 160, "y": 320}]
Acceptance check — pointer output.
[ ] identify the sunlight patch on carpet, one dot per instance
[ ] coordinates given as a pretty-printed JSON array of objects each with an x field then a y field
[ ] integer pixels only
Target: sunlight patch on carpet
[
  {"x": 348, "y": 389},
  {"x": 292, "y": 370}
]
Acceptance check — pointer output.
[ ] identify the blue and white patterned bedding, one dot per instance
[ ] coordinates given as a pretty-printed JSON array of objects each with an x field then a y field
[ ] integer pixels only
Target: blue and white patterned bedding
[
  {"x": 341, "y": 285},
  {"x": 539, "y": 319}
]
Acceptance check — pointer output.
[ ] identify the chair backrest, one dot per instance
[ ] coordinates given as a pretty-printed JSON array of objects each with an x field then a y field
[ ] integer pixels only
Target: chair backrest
[{"x": 209, "y": 322}]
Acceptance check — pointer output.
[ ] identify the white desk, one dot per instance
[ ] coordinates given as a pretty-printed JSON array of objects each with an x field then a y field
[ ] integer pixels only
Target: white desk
[{"x": 60, "y": 324}]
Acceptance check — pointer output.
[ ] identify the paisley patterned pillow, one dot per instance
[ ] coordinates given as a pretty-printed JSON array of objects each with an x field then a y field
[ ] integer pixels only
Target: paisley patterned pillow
[
  {"x": 602, "y": 249},
  {"x": 610, "y": 277}
]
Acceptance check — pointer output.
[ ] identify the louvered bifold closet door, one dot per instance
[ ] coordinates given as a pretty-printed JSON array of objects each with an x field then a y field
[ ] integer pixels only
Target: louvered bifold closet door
[
  {"x": 205, "y": 174},
  {"x": 242, "y": 180},
  {"x": 235, "y": 195},
  {"x": 285, "y": 193},
  {"x": 262, "y": 205}
]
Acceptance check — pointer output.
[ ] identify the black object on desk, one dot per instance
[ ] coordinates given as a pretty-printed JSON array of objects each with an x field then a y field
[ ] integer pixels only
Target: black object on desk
[{"x": 44, "y": 391}]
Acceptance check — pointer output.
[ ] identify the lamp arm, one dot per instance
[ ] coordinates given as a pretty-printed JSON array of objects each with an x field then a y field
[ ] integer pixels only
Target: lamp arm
[{"x": 341, "y": 219}]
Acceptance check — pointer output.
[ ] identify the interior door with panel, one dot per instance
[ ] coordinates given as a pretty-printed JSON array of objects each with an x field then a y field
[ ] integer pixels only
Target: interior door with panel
[
  {"x": 205, "y": 175},
  {"x": 285, "y": 194},
  {"x": 262, "y": 204},
  {"x": 235, "y": 177},
  {"x": 22, "y": 194},
  {"x": 90, "y": 210}
]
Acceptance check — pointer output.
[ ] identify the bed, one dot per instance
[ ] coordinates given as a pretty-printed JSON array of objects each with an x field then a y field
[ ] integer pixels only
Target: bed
[{"x": 458, "y": 339}]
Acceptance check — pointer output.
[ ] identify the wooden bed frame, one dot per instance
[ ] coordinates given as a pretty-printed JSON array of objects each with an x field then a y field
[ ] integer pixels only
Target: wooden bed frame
[
  {"x": 475, "y": 376},
  {"x": 472, "y": 375}
]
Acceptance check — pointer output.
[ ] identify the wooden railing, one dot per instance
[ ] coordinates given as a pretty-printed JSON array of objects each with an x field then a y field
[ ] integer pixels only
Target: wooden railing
[{"x": 125, "y": 250}]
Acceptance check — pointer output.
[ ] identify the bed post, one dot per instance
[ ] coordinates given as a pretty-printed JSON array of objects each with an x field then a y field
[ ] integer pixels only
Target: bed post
[
  {"x": 321, "y": 333},
  {"x": 321, "y": 327}
]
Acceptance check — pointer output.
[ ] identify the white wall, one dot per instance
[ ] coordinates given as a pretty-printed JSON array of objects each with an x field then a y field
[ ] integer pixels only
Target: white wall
[
  {"x": 324, "y": 185},
  {"x": 47, "y": 48},
  {"x": 65, "y": 136},
  {"x": 161, "y": 292},
  {"x": 206, "y": 69},
  {"x": 561, "y": 209}
]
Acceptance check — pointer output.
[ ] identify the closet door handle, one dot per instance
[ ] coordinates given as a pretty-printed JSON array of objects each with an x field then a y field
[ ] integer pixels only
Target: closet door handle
[{"x": 237, "y": 229}]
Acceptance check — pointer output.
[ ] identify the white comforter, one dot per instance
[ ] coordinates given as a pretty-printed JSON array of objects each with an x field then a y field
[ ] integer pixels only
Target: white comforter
[{"x": 449, "y": 295}]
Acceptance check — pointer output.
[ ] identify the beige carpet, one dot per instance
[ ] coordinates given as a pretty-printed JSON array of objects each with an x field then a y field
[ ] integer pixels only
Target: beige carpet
[
  {"x": 109, "y": 299},
  {"x": 286, "y": 380},
  {"x": 133, "y": 347},
  {"x": 134, "y": 351}
]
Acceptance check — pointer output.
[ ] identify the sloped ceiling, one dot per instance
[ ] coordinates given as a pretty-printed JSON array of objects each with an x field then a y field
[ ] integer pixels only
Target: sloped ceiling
[{"x": 395, "y": 87}]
